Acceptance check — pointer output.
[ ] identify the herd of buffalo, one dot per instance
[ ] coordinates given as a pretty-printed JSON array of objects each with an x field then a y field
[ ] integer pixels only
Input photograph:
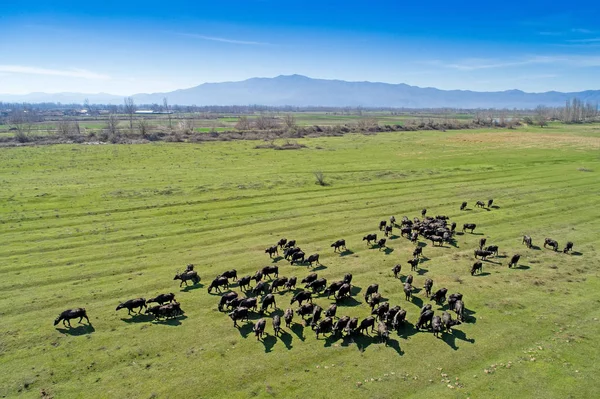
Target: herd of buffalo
[{"x": 383, "y": 318}]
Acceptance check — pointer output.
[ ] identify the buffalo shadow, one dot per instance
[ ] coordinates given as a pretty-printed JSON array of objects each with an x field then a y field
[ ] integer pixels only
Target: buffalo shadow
[
  {"x": 421, "y": 271},
  {"x": 424, "y": 259},
  {"x": 277, "y": 259},
  {"x": 576, "y": 253},
  {"x": 522, "y": 267},
  {"x": 298, "y": 329},
  {"x": 138, "y": 318},
  {"x": 406, "y": 330},
  {"x": 394, "y": 344},
  {"x": 491, "y": 261},
  {"x": 495, "y": 207},
  {"x": 347, "y": 301},
  {"x": 346, "y": 252},
  {"x": 245, "y": 329},
  {"x": 332, "y": 338},
  {"x": 268, "y": 341},
  {"x": 320, "y": 267},
  {"x": 388, "y": 251},
  {"x": 481, "y": 274},
  {"x": 81, "y": 329},
  {"x": 450, "y": 338},
  {"x": 286, "y": 338},
  {"x": 171, "y": 322},
  {"x": 393, "y": 237},
  {"x": 416, "y": 300},
  {"x": 191, "y": 287}
]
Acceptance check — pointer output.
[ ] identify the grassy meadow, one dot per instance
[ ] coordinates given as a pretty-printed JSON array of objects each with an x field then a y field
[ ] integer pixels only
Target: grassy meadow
[{"x": 92, "y": 225}]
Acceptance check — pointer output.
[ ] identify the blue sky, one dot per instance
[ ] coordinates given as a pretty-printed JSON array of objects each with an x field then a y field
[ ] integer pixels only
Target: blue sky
[{"x": 132, "y": 47}]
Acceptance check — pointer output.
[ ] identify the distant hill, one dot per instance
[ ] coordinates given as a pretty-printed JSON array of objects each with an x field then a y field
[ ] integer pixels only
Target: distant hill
[{"x": 297, "y": 90}]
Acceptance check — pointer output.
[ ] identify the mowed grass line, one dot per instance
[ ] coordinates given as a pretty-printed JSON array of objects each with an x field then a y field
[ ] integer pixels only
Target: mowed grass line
[{"x": 103, "y": 264}]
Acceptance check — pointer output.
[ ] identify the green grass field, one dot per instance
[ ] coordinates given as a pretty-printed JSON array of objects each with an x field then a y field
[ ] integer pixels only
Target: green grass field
[{"x": 92, "y": 225}]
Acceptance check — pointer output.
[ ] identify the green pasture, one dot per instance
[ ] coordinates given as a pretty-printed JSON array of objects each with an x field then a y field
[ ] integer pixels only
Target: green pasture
[{"x": 92, "y": 225}]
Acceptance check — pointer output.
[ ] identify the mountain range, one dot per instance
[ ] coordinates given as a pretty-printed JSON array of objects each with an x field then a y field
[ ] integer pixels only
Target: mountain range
[{"x": 298, "y": 90}]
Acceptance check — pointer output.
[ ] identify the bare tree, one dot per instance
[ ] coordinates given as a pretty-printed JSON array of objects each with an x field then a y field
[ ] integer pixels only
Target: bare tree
[
  {"x": 264, "y": 122},
  {"x": 186, "y": 126},
  {"x": 243, "y": 123},
  {"x": 112, "y": 124},
  {"x": 364, "y": 124},
  {"x": 143, "y": 127},
  {"x": 166, "y": 107},
  {"x": 541, "y": 115},
  {"x": 63, "y": 128},
  {"x": 129, "y": 110},
  {"x": 289, "y": 121},
  {"x": 22, "y": 121}
]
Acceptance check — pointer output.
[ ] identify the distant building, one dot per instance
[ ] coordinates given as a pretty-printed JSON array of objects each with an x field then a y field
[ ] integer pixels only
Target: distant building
[{"x": 149, "y": 111}]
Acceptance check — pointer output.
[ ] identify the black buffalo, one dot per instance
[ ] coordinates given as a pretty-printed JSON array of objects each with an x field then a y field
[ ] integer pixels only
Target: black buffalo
[
  {"x": 514, "y": 260},
  {"x": 469, "y": 226},
  {"x": 339, "y": 244},
  {"x": 225, "y": 299},
  {"x": 373, "y": 288},
  {"x": 162, "y": 298},
  {"x": 483, "y": 254},
  {"x": 218, "y": 283},
  {"x": 568, "y": 247},
  {"x": 527, "y": 241},
  {"x": 314, "y": 258},
  {"x": 370, "y": 237},
  {"x": 309, "y": 279},
  {"x": 272, "y": 251},
  {"x": 550, "y": 242},
  {"x": 396, "y": 270},
  {"x": 477, "y": 267},
  {"x": 133, "y": 304},
  {"x": 71, "y": 314},
  {"x": 463, "y": 206},
  {"x": 428, "y": 286},
  {"x": 268, "y": 270},
  {"x": 300, "y": 297}
]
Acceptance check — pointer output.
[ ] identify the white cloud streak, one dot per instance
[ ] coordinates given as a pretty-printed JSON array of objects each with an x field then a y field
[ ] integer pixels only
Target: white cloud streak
[
  {"x": 473, "y": 64},
  {"x": 72, "y": 73},
  {"x": 224, "y": 40}
]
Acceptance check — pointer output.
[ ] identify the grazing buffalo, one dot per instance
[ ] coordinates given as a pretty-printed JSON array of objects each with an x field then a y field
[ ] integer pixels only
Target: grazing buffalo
[
  {"x": 459, "y": 309},
  {"x": 396, "y": 270},
  {"x": 244, "y": 283},
  {"x": 448, "y": 323},
  {"x": 268, "y": 270},
  {"x": 229, "y": 274},
  {"x": 374, "y": 299},
  {"x": 490, "y": 202},
  {"x": 240, "y": 313},
  {"x": 453, "y": 298},
  {"x": 351, "y": 326},
  {"x": 259, "y": 328},
  {"x": 436, "y": 325},
  {"x": 398, "y": 319},
  {"x": 389, "y": 316},
  {"x": 526, "y": 241},
  {"x": 218, "y": 283},
  {"x": 568, "y": 247},
  {"x": 298, "y": 257},
  {"x": 257, "y": 276},
  {"x": 418, "y": 252},
  {"x": 483, "y": 254},
  {"x": 344, "y": 291},
  {"x": 480, "y": 204},
  {"x": 291, "y": 283},
  {"x": 370, "y": 237},
  {"x": 381, "y": 243},
  {"x": 366, "y": 323},
  {"x": 228, "y": 297},
  {"x": 424, "y": 319},
  {"x": 408, "y": 291},
  {"x": 282, "y": 242},
  {"x": 440, "y": 296},
  {"x": 382, "y": 332},
  {"x": 133, "y": 304},
  {"x": 309, "y": 279},
  {"x": 477, "y": 267},
  {"x": 382, "y": 225},
  {"x": 493, "y": 249},
  {"x": 316, "y": 315},
  {"x": 317, "y": 285},
  {"x": 167, "y": 311},
  {"x": 290, "y": 244},
  {"x": 405, "y": 231},
  {"x": 324, "y": 326},
  {"x": 392, "y": 221},
  {"x": 339, "y": 244},
  {"x": 331, "y": 310},
  {"x": 482, "y": 242},
  {"x": 380, "y": 311},
  {"x": 287, "y": 254},
  {"x": 347, "y": 278},
  {"x": 414, "y": 237},
  {"x": 452, "y": 228},
  {"x": 514, "y": 260},
  {"x": 425, "y": 308},
  {"x": 184, "y": 277},
  {"x": 438, "y": 239},
  {"x": 288, "y": 316},
  {"x": 71, "y": 314},
  {"x": 373, "y": 288},
  {"x": 268, "y": 300},
  {"x": 162, "y": 298},
  {"x": 300, "y": 297},
  {"x": 469, "y": 226},
  {"x": 423, "y": 212},
  {"x": 333, "y": 288},
  {"x": 234, "y": 303},
  {"x": 249, "y": 303},
  {"x": 388, "y": 230},
  {"x": 463, "y": 206},
  {"x": 340, "y": 325},
  {"x": 409, "y": 279},
  {"x": 428, "y": 286},
  {"x": 277, "y": 283},
  {"x": 261, "y": 288},
  {"x": 550, "y": 242},
  {"x": 314, "y": 258},
  {"x": 276, "y": 324},
  {"x": 414, "y": 264},
  {"x": 272, "y": 251}
]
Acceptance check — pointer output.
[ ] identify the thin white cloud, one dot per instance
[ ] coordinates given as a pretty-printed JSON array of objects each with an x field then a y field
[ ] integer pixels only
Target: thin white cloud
[
  {"x": 590, "y": 40},
  {"x": 473, "y": 64},
  {"x": 224, "y": 40},
  {"x": 72, "y": 73},
  {"x": 582, "y": 30}
]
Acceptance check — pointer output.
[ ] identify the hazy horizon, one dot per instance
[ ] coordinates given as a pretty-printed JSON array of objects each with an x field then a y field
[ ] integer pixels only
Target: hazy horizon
[{"x": 124, "y": 49}]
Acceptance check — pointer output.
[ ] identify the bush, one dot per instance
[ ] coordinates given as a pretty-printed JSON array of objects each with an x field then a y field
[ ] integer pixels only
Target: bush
[{"x": 320, "y": 178}]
